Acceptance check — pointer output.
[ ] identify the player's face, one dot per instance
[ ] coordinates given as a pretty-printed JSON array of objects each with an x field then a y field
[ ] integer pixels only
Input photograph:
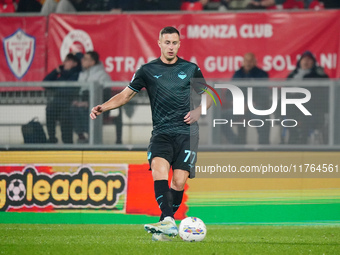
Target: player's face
[{"x": 169, "y": 44}]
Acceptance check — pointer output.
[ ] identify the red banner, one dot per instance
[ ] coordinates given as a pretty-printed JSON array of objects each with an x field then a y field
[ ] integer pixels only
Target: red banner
[
  {"x": 23, "y": 48},
  {"x": 216, "y": 42},
  {"x": 141, "y": 196}
]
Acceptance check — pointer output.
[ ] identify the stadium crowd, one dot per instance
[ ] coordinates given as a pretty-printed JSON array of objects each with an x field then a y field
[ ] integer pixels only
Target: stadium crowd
[
  {"x": 65, "y": 6},
  {"x": 64, "y": 102}
]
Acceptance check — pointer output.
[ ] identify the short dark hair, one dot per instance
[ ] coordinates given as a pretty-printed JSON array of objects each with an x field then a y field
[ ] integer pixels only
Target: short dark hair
[
  {"x": 72, "y": 57},
  {"x": 94, "y": 55},
  {"x": 169, "y": 30}
]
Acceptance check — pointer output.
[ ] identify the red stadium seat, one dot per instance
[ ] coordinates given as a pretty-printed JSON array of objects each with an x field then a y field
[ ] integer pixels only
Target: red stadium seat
[
  {"x": 6, "y": 6},
  {"x": 187, "y": 6},
  {"x": 316, "y": 5}
]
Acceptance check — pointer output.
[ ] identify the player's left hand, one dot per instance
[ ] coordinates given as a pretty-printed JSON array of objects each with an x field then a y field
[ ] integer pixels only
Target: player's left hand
[{"x": 192, "y": 116}]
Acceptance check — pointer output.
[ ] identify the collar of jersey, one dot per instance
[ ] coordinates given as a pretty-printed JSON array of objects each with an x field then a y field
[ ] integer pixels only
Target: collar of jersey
[{"x": 161, "y": 62}]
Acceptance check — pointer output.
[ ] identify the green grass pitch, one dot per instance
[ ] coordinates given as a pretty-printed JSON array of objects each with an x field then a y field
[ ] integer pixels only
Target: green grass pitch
[{"x": 132, "y": 239}]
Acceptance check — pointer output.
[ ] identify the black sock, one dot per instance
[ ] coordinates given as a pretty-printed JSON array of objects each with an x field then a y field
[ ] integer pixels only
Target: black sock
[
  {"x": 164, "y": 197},
  {"x": 177, "y": 197}
]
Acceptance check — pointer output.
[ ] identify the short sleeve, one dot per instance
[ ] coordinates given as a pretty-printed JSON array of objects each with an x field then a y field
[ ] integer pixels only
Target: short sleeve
[
  {"x": 199, "y": 83},
  {"x": 137, "y": 81}
]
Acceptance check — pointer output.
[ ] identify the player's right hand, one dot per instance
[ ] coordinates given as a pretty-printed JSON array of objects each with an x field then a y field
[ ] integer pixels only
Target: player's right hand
[{"x": 97, "y": 110}]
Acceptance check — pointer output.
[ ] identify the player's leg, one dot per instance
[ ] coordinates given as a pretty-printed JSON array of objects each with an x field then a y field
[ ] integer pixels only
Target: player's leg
[
  {"x": 160, "y": 154},
  {"x": 178, "y": 181},
  {"x": 184, "y": 166},
  {"x": 160, "y": 170}
]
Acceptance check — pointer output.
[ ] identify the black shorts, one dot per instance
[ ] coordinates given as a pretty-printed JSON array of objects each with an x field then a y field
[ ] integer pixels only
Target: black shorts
[{"x": 179, "y": 150}]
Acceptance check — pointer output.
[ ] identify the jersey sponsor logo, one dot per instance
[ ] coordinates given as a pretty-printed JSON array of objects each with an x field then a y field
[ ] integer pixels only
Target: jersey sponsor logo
[
  {"x": 19, "y": 51},
  {"x": 75, "y": 41},
  {"x": 158, "y": 76},
  {"x": 182, "y": 75}
]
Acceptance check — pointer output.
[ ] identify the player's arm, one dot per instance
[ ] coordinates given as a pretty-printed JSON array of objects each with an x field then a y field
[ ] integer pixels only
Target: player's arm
[
  {"x": 114, "y": 102},
  {"x": 195, "y": 114}
]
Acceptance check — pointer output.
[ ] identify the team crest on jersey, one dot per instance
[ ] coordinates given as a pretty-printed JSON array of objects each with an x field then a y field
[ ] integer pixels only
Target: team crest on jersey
[
  {"x": 75, "y": 41},
  {"x": 19, "y": 51},
  {"x": 182, "y": 75}
]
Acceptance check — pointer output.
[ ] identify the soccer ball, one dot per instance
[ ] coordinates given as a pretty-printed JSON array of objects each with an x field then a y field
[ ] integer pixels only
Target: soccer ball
[
  {"x": 192, "y": 229},
  {"x": 16, "y": 190}
]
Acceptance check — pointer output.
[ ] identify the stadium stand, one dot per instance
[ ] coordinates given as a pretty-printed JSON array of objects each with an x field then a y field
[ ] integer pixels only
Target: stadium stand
[{"x": 7, "y": 6}]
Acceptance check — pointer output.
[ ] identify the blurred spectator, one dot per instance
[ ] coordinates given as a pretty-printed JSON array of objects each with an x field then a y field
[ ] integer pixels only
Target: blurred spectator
[
  {"x": 142, "y": 5},
  {"x": 63, "y": 6},
  {"x": 217, "y": 5},
  {"x": 30, "y": 5},
  {"x": 249, "y": 70},
  {"x": 158, "y": 5},
  {"x": 122, "y": 5},
  {"x": 49, "y": 7},
  {"x": 68, "y": 6},
  {"x": 101, "y": 5},
  {"x": 58, "y": 106},
  {"x": 331, "y": 4},
  {"x": 193, "y": 5},
  {"x": 263, "y": 4},
  {"x": 225, "y": 5},
  {"x": 285, "y": 4},
  {"x": 7, "y": 6},
  {"x": 307, "y": 68},
  {"x": 93, "y": 71},
  {"x": 261, "y": 101}
]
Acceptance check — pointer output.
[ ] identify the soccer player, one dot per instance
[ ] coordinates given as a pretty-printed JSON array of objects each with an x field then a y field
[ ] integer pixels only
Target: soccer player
[{"x": 174, "y": 138}]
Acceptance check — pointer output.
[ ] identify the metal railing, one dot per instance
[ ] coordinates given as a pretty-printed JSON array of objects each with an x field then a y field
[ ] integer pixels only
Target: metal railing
[{"x": 22, "y": 101}]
